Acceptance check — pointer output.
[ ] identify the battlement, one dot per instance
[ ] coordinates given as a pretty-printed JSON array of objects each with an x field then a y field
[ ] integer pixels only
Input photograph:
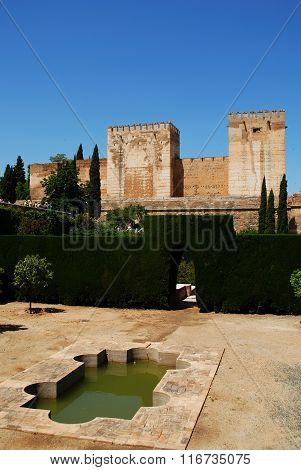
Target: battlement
[
  {"x": 274, "y": 116},
  {"x": 151, "y": 126}
]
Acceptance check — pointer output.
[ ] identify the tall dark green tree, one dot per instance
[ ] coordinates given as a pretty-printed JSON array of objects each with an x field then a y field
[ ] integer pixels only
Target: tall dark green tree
[
  {"x": 19, "y": 170},
  {"x": 94, "y": 205},
  {"x": 270, "y": 217},
  {"x": 263, "y": 208},
  {"x": 80, "y": 153},
  {"x": 8, "y": 185},
  {"x": 282, "y": 218}
]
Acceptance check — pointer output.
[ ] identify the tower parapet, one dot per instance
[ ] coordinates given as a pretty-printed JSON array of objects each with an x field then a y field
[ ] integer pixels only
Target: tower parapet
[
  {"x": 140, "y": 159},
  {"x": 256, "y": 149},
  {"x": 150, "y": 126}
]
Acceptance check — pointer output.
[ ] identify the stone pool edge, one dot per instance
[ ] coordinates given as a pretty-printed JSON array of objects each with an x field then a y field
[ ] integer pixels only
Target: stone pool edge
[{"x": 178, "y": 398}]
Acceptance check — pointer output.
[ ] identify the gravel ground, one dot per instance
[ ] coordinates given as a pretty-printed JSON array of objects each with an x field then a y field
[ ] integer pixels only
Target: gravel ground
[{"x": 255, "y": 399}]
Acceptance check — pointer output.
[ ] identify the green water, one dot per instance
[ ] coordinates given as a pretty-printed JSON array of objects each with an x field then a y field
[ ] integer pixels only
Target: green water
[{"x": 113, "y": 391}]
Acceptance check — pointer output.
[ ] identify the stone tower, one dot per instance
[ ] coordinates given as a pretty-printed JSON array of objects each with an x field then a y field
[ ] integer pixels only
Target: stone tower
[
  {"x": 140, "y": 160},
  {"x": 256, "y": 149}
]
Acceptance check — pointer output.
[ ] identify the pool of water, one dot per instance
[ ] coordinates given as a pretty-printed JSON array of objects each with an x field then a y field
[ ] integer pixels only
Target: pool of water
[{"x": 112, "y": 390}]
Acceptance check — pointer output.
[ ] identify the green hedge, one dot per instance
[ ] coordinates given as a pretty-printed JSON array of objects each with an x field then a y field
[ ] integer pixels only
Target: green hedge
[
  {"x": 9, "y": 220},
  {"x": 86, "y": 274},
  {"x": 255, "y": 278},
  {"x": 247, "y": 273}
]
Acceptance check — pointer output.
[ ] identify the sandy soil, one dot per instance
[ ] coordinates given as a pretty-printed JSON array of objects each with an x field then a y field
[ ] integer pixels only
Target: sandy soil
[{"x": 255, "y": 399}]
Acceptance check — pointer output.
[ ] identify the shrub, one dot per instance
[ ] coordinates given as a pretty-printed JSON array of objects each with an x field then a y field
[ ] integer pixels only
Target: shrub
[
  {"x": 255, "y": 278},
  {"x": 31, "y": 277},
  {"x": 186, "y": 273},
  {"x": 9, "y": 220},
  {"x": 295, "y": 281}
]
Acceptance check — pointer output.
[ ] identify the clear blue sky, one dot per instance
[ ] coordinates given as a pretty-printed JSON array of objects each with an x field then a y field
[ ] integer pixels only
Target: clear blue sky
[{"x": 126, "y": 61}]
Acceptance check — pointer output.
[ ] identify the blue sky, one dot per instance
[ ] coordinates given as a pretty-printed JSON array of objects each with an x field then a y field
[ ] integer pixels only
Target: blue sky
[{"x": 127, "y": 61}]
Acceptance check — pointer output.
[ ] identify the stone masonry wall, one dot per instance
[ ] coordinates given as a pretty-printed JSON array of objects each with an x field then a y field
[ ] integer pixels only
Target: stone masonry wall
[
  {"x": 256, "y": 149},
  {"x": 201, "y": 176},
  {"x": 140, "y": 160},
  {"x": 39, "y": 171}
]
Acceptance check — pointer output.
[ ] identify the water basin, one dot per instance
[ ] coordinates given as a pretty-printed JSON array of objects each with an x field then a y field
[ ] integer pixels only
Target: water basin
[{"x": 112, "y": 390}]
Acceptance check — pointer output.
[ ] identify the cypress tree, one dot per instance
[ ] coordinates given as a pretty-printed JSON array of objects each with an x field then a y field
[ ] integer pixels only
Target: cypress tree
[
  {"x": 282, "y": 218},
  {"x": 8, "y": 185},
  {"x": 19, "y": 171},
  {"x": 80, "y": 153},
  {"x": 94, "y": 206},
  {"x": 263, "y": 208},
  {"x": 270, "y": 217}
]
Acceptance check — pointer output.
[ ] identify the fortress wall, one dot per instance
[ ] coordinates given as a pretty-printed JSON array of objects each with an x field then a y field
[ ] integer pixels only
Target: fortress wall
[
  {"x": 140, "y": 160},
  {"x": 244, "y": 210},
  {"x": 201, "y": 176},
  {"x": 39, "y": 171},
  {"x": 256, "y": 149}
]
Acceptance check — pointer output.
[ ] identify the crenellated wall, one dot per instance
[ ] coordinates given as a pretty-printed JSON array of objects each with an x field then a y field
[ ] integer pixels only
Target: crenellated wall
[
  {"x": 143, "y": 165},
  {"x": 140, "y": 160},
  {"x": 256, "y": 149}
]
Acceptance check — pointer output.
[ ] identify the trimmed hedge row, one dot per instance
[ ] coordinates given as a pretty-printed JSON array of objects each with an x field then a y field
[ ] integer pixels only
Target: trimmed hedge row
[
  {"x": 247, "y": 273},
  {"x": 255, "y": 278},
  {"x": 88, "y": 275}
]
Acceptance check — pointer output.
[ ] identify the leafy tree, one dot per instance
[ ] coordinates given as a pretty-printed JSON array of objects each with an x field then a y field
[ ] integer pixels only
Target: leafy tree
[
  {"x": 94, "y": 203},
  {"x": 130, "y": 217},
  {"x": 282, "y": 218},
  {"x": 8, "y": 185},
  {"x": 80, "y": 153},
  {"x": 263, "y": 208},
  {"x": 62, "y": 187},
  {"x": 270, "y": 216},
  {"x": 31, "y": 276},
  {"x": 22, "y": 191},
  {"x": 295, "y": 281},
  {"x": 19, "y": 171},
  {"x": 58, "y": 158}
]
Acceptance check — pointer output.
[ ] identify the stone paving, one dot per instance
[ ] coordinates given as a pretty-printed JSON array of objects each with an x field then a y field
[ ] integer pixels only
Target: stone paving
[{"x": 178, "y": 398}]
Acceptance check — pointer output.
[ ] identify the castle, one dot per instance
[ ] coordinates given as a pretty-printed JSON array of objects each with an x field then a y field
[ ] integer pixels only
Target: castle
[{"x": 143, "y": 166}]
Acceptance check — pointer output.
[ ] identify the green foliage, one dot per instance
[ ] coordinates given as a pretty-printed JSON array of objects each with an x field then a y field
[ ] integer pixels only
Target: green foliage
[
  {"x": 186, "y": 273},
  {"x": 58, "y": 158},
  {"x": 19, "y": 171},
  {"x": 80, "y": 153},
  {"x": 94, "y": 200},
  {"x": 295, "y": 281},
  {"x": 31, "y": 277},
  {"x": 248, "y": 231},
  {"x": 263, "y": 208},
  {"x": 254, "y": 278},
  {"x": 251, "y": 275},
  {"x": 9, "y": 220},
  {"x": 270, "y": 215},
  {"x": 8, "y": 185},
  {"x": 102, "y": 271},
  {"x": 62, "y": 189},
  {"x": 22, "y": 191},
  {"x": 130, "y": 217},
  {"x": 282, "y": 219}
]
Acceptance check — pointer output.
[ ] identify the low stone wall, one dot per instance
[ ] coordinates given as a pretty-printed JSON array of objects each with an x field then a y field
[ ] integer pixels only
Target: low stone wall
[{"x": 244, "y": 210}]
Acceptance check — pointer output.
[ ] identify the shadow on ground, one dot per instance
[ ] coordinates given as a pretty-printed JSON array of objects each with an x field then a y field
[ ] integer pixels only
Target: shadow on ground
[
  {"x": 11, "y": 327},
  {"x": 36, "y": 310}
]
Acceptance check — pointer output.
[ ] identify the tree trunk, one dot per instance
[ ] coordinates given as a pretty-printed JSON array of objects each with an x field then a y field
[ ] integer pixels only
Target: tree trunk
[{"x": 30, "y": 306}]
